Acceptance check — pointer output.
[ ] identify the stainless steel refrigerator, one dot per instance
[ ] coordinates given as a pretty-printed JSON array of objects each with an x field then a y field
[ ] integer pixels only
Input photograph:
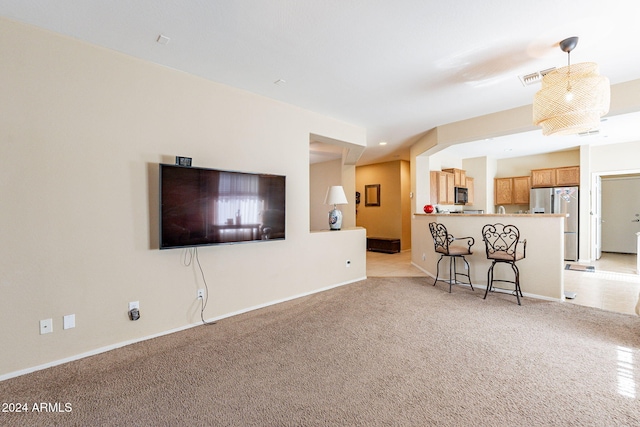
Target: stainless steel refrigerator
[{"x": 560, "y": 200}]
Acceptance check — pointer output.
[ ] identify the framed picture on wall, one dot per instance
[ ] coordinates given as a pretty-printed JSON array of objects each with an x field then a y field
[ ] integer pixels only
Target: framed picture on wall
[{"x": 372, "y": 195}]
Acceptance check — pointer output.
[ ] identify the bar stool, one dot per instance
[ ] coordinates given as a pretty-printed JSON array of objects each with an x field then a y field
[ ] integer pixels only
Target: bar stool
[
  {"x": 442, "y": 242},
  {"x": 501, "y": 243}
]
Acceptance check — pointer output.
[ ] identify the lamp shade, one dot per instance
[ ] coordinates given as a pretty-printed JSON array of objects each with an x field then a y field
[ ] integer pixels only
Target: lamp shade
[
  {"x": 335, "y": 196},
  {"x": 572, "y": 100}
]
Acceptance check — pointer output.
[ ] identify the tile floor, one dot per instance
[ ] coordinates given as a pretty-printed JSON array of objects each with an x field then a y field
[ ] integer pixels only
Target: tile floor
[{"x": 613, "y": 286}]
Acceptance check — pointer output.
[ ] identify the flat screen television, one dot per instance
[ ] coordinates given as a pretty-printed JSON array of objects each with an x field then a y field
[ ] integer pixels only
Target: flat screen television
[{"x": 201, "y": 207}]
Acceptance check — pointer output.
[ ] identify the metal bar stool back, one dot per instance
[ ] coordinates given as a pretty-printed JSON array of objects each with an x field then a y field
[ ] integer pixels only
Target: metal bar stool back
[
  {"x": 444, "y": 244},
  {"x": 503, "y": 245}
]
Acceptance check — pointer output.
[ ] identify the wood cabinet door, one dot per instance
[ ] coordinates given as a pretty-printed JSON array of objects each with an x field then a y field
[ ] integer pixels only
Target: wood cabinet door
[
  {"x": 543, "y": 178},
  {"x": 450, "y": 191},
  {"x": 469, "y": 184},
  {"x": 458, "y": 176},
  {"x": 568, "y": 176},
  {"x": 503, "y": 191},
  {"x": 521, "y": 189},
  {"x": 441, "y": 188},
  {"x": 433, "y": 187}
]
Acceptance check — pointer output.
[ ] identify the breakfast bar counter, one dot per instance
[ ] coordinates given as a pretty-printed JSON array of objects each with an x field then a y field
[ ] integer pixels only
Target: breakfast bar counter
[{"x": 541, "y": 272}]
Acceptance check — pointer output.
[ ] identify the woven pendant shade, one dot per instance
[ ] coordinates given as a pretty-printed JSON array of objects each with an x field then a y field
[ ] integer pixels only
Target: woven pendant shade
[{"x": 590, "y": 99}]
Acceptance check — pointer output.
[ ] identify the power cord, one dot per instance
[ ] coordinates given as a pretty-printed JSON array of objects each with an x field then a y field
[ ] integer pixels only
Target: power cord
[{"x": 189, "y": 255}]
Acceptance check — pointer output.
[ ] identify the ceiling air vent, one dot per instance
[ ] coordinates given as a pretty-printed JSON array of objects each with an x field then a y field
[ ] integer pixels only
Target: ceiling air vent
[
  {"x": 533, "y": 78},
  {"x": 590, "y": 132}
]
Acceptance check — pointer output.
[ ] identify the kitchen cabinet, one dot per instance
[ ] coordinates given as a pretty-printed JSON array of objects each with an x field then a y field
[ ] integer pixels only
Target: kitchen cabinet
[
  {"x": 521, "y": 190},
  {"x": 555, "y": 177},
  {"x": 442, "y": 187},
  {"x": 469, "y": 182},
  {"x": 543, "y": 178},
  {"x": 502, "y": 191},
  {"x": 459, "y": 177},
  {"x": 511, "y": 190},
  {"x": 568, "y": 176}
]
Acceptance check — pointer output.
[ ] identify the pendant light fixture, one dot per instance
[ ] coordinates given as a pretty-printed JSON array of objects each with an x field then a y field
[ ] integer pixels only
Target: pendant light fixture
[{"x": 572, "y": 98}]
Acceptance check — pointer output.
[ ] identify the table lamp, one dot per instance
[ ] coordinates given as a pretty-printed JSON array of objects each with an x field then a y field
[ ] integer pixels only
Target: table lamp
[{"x": 335, "y": 196}]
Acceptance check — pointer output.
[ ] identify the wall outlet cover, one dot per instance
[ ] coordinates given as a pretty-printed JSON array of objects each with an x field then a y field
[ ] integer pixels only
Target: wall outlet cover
[{"x": 46, "y": 326}]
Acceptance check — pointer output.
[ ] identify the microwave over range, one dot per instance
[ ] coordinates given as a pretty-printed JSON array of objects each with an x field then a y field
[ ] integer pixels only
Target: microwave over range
[{"x": 461, "y": 195}]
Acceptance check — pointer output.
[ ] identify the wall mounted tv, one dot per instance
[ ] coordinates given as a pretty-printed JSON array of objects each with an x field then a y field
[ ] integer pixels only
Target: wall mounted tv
[{"x": 201, "y": 206}]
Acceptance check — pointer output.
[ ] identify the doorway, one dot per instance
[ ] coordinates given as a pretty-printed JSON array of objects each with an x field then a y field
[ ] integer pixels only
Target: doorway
[
  {"x": 620, "y": 213},
  {"x": 616, "y": 214}
]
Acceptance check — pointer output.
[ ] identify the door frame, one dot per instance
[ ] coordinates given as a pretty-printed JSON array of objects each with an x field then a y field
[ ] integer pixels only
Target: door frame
[{"x": 595, "y": 209}]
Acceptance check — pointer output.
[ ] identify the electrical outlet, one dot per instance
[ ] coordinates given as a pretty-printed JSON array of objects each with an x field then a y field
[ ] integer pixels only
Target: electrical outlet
[
  {"x": 200, "y": 293},
  {"x": 424, "y": 257},
  {"x": 134, "y": 310},
  {"x": 348, "y": 263},
  {"x": 46, "y": 326}
]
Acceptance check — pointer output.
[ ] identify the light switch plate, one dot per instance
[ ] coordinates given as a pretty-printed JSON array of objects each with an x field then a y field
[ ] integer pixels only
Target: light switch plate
[{"x": 69, "y": 321}]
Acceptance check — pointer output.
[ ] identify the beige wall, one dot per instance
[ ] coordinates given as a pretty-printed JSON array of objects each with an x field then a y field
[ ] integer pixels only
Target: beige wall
[
  {"x": 481, "y": 169},
  {"x": 615, "y": 158},
  {"x": 405, "y": 204},
  {"x": 321, "y": 176},
  {"x": 540, "y": 271},
  {"x": 522, "y": 166},
  {"x": 82, "y": 131},
  {"x": 601, "y": 160},
  {"x": 392, "y": 217}
]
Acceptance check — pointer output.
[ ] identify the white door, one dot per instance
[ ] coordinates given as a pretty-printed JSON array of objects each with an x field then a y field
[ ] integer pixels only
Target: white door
[{"x": 620, "y": 214}]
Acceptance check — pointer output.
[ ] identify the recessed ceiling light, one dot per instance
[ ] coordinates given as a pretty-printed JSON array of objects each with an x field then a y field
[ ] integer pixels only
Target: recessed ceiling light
[
  {"x": 382, "y": 143},
  {"x": 162, "y": 39}
]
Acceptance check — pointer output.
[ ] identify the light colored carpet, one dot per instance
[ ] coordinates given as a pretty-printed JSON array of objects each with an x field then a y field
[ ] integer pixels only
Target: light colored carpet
[{"x": 381, "y": 352}]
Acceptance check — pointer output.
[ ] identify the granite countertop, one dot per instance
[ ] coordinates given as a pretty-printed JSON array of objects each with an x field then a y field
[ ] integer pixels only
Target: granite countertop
[{"x": 493, "y": 214}]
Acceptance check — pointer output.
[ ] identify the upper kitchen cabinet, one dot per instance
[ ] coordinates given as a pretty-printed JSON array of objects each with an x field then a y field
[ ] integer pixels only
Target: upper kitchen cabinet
[
  {"x": 503, "y": 191},
  {"x": 470, "y": 190},
  {"x": 521, "y": 187},
  {"x": 543, "y": 178},
  {"x": 568, "y": 176},
  {"x": 555, "y": 177},
  {"x": 459, "y": 177},
  {"x": 442, "y": 187},
  {"x": 512, "y": 190}
]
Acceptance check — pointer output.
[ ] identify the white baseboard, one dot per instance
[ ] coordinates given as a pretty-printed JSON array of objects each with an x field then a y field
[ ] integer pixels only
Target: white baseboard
[
  {"x": 171, "y": 331},
  {"x": 484, "y": 288}
]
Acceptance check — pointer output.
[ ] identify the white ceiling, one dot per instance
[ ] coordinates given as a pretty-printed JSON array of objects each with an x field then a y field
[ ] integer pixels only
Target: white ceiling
[{"x": 397, "y": 68}]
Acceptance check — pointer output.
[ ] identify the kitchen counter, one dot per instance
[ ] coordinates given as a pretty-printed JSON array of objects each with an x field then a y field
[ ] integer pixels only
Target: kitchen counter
[
  {"x": 562, "y": 215},
  {"x": 541, "y": 272}
]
